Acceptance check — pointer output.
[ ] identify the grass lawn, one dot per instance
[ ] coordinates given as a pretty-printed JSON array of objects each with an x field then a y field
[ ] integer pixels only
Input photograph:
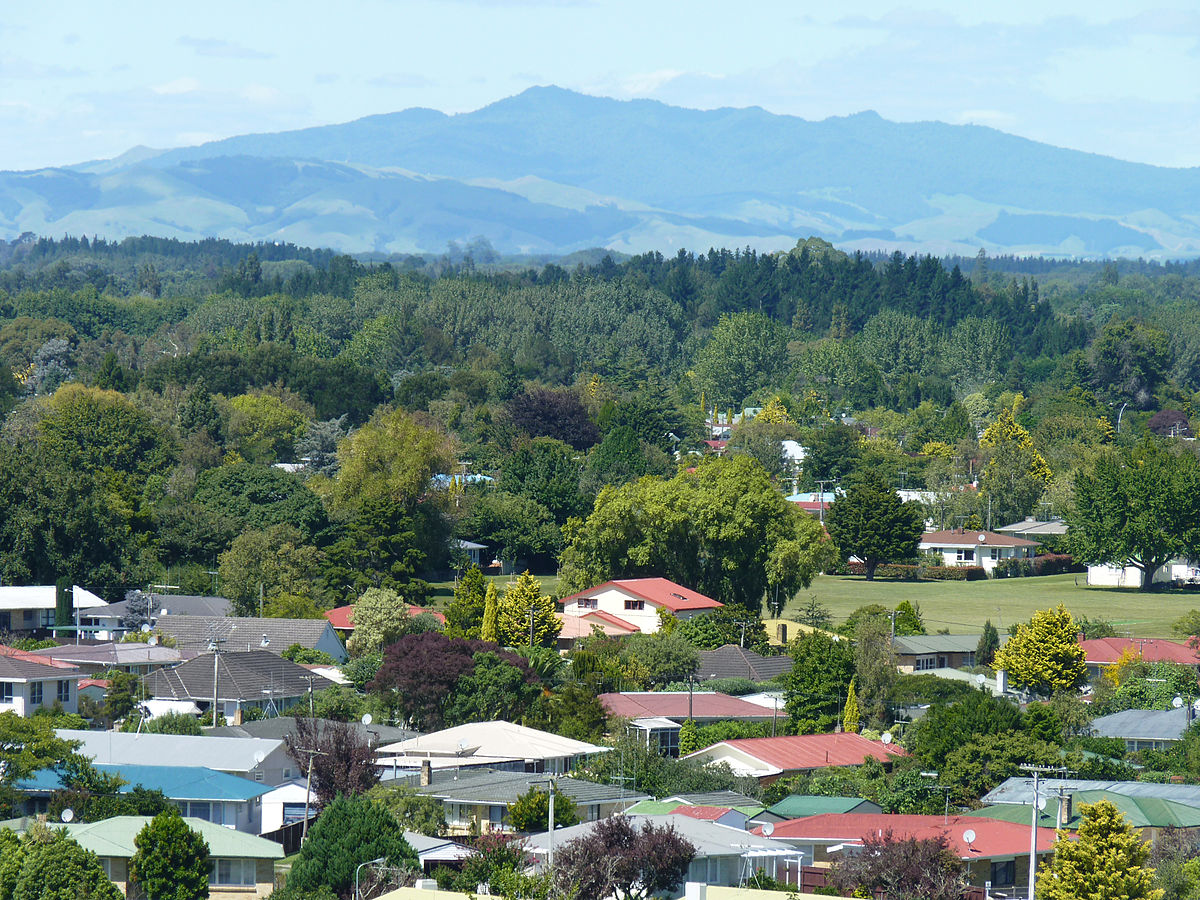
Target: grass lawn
[{"x": 963, "y": 606}]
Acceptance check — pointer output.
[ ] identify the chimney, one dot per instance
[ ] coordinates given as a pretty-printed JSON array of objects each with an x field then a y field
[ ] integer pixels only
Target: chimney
[
  {"x": 426, "y": 773},
  {"x": 1066, "y": 807}
]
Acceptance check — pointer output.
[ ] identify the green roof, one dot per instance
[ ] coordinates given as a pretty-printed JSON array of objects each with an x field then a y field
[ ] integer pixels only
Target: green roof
[
  {"x": 799, "y": 806},
  {"x": 1140, "y": 812},
  {"x": 653, "y": 807},
  {"x": 114, "y": 837}
]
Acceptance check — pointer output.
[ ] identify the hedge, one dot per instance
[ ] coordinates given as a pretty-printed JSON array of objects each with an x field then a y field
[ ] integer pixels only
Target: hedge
[
  {"x": 900, "y": 572},
  {"x": 1047, "y": 564}
]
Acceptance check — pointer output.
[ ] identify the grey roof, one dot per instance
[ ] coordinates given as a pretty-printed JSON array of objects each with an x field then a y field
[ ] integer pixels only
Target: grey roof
[
  {"x": 1031, "y": 525},
  {"x": 14, "y": 668},
  {"x": 111, "y": 653},
  {"x": 496, "y": 787},
  {"x": 1144, "y": 724},
  {"x": 915, "y": 644},
  {"x": 279, "y": 727},
  {"x": 709, "y": 838},
  {"x": 732, "y": 799},
  {"x": 732, "y": 661},
  {"x": 178, "y": 604},
  {"x": 257, "y": 675},
  {"x": 195, "y": 632},
  {"x": 131, "y": 748},
  {"x": 1020, "y": 790}
]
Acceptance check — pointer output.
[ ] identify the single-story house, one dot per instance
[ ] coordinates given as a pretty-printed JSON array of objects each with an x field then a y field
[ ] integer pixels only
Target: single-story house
[
  {"x": 196, "y": 633},
  {"x": 997, "y": 851},
  {"x": 342, "y": 617},
  {"x": 1019, "y": 789},
  {"x": 472, "y": 550},
  {"x": 29, "y": 682},
  {"x": 771, "y": 758},
  {"x": 108, "y": 623},
  {"x": 257, "y": 679},
  {"x": 436, "y": 851},
  {"x": 575, "y": 628},
  {"x": 282, "y": 727},
  {"x": 478, "y": 800},
  {"x": 285, "y": 805},
  {"x": 1177, "y": 570},
  {"x": 1148, "y": 814},
  {"x": 240, "y": 865},
  {"x": 703, "y": 707},
  {"x": 1146, "y": 729},
  {"x": 94, "y": 659},
  {"x": 725, "y": 856},
  {"x": 925, "y": 652},
  {"x": 199, "y": 792},
  {"x": 33, "y": 608},
  {"x": 961, "y": 547},
  {"x": 732, "y": 661},
  {"x": 638, "y": 600},
  {"x": 258, "y": 759},
  {"x": 801, "y": 806},
  {"x": 721, "y": 815},
  {"x": 1101, "y": 653},
  {"x": 1032, "y": 528},
  {"x": 750, "y": 810},
  {"x": 495, "y": 745}
]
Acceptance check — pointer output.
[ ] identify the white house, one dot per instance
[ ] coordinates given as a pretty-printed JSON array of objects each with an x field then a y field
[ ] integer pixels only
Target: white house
[
  {"x": 636, "y": 601},
  {"x": 959, "y": 547},
  {"x": 32, "y": 607},
  {"x": 1177, "y": 570},
  {"x": 28, "y": 682}
]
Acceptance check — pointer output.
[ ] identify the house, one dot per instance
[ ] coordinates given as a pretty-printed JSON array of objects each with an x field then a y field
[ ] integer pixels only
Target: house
[
  {"x": 29, "y": 682},
  {"x": 95, "y": 659},
  {"x": 197, "y": 633},
  {"x": 636, "y": 601},
  {"x": 436, "y": 851},
  {"x": 257, "y": 679},
  {"x": 703, "y": 707},
  {"x": 240, "y": 864},
  {"x": 801, "y": 806},
  {"x": 925, "y": 652},
  {"x": 342, "y": 617},
  {"x": 282, "y": 727},
  {"x": 707, "y": 803},
  {"x": 1102, "y": 653},
  {"x": 959, "y": 547},
  {"x": 478, "y": 800},
  {"x": 471, "y": 550},
  {"x": 732, "y": 661},
  {"x": 257, "y": 759},
  {"x": 1033, "y": 528},
  {"x": 1146, "y": 729},
  {"x": 285, "y": 805},
  {"x": 496, "y": 745},
  {"x": 575, "y": 628},
  {"x": 995, "y": 851},
  {"x": 25, "y": 609},
  {"x": 1019, "y": 789},
  {"x": 721, "y": 815},
  {"x": 1177, "y": 571},
  {"x": 771, "y": 758},
  {"x": 108, "y": 623},
  {"x": 199, "y": 792},
  {"x": 725, "y": 856},
  {"x": 1151, "y": 815}
]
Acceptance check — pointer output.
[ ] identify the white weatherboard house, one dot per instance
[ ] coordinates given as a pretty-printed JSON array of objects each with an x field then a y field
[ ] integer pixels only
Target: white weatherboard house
[
  {"x": 28, "y": 682},
  {"x": 964, "y": 547},
  {"x": 32, "y": 607},
  {"x": 636, "y": 602},
  {"x": 495, "y": 745}
]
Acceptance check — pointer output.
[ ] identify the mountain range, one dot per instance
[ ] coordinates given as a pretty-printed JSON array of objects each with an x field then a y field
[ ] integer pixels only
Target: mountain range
[{"x": 553, "y": 171}]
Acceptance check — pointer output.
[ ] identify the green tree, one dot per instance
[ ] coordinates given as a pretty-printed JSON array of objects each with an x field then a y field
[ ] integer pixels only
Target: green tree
[
  {"x": 1130, "y": 359},
  {"x": 730, "y": 624},
  {"x": 871, "y": 522},
  {"x": 833, "y": 453},
  {"x": 516, "y": 527},
  {"x": 689, "y": 737},
  {"x": 464, "y": 615},
  {"x": 850, "y": 713},
  {"x": 820, "y": 677},
  {"x": 979, "y": 765},
  {"x": 875, "y": 669},
  {"x": 792, "y": 564},
  {"x": 947, "y": 726},
  {"x": 1015, "y": 474},
  {"x": 547, "y": 471},
  {"x": 489, "y": 628},
  {"x": 530, "y": 812},
  {"x": 989, "y": 643},
  {"x": 1108, "y": 860},
  {"x": 493, "y": 690},
  {"x": 746, "y": 351},
  {"x": 574, "y": 712},
  {"x": 263, "y": 429},
  {"x": 381, "y": 617},
  {"x": 350, "y": 830},
  {"x": 54, "y": 867},
  {"x": 908, "y": 619},
  {"x": 170, "y": 861},
  {"x": 1139, "y": 507},
  {"x": 526, "y": 615},
  {"x": 275, "y": 559},
  {"x": 1044, "y": 655},
  {"x": 662, "y": 658},
  {"x": 413, "y": 810}
]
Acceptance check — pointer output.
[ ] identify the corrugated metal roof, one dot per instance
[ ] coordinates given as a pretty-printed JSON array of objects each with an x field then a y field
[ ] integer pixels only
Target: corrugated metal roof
[
  {"x": 1140, "y": 812},
  {"x": 1144, "y": 724},
  {"x": 240, "y": 676},
  {"x": 807, "y": 751},
  {"x": 128, "y": 748},
  {"x": 799, "y": 806},
  {"x": 494, "y": 788},
  {"x": 176, "y": 782},
  {"x": 196, "y": 632},
  {"x": 679, "y": 704},
  {"x": 659, "y": 591},
  {"x": 114, "y": 838},
  {"x": 1020, "y": 790}
]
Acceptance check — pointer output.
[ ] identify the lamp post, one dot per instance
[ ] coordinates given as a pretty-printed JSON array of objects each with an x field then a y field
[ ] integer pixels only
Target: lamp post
[{"x": 369, "y": 862}]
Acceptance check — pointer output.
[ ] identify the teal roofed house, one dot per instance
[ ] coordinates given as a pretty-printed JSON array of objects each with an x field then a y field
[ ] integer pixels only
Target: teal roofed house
[
  {"x": 800, "y": 806},
  {"x": 242, "y": 865},
  {"x": 201, "y": 793}
]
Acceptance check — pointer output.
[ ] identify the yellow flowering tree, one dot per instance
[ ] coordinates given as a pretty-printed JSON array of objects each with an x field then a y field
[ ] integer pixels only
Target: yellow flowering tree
[{"x": 1108, "y": 860}]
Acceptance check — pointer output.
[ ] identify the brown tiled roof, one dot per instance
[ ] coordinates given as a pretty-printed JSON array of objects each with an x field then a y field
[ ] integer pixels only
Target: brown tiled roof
[
  {"x": 240, "y": 676},
  {"x": 967, "y": 538}
]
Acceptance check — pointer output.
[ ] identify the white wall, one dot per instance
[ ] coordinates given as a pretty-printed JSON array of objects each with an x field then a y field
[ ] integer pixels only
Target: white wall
[
  {"x": 22, "y": 692},
  {"x": 612, "y": 600}
]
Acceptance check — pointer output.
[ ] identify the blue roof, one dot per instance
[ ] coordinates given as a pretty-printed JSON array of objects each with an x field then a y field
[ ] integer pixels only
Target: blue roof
[{"x": 176, "y": 782}]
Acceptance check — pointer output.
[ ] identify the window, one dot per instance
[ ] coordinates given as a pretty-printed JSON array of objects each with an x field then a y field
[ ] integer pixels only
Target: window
[
  {"x": 995, "y": 553},
  {"x": 966, "y": 555},
  {"x": 587, "y": 603},
  {"x": 200, "y": 809},
  {"x": 496, "y": 814},
  {"x": 6, "y": 692},
  {"x": 1004, "y": 873},
  {"x": 35, "y": 693},
  {"x": 64, "y": 692},
  {"x": 635, "y": 604},
  {"x": 235, "y": 872},
  {"x": 925, "y": 662}
]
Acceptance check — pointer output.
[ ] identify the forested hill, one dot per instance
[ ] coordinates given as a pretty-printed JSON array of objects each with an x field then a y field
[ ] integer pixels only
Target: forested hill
[{"x": 554, "y": 171}]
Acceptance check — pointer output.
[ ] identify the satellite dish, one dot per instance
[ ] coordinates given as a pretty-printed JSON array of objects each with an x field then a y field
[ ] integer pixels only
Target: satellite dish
[
  {"x": 980, "y": 679},
  {"x": 67, "y": 814},
  {"x": 152, "y": 640},
  {"x": 145, "y": 627},
  {"x": 1177, "y": 703},
  {"x": 265, "y": 641},
  {"x": 969, "y": 835},
  {"x": 768, "y": 829},
  {"x": 366, "y": 719},
  {"x": 983, "y": 539},
  {"x": 887, "y": 737},
  {"x": 259, "y": 757},
  {"x": 1196, "y": 706},
  {"x": 1041, "y": 804}
]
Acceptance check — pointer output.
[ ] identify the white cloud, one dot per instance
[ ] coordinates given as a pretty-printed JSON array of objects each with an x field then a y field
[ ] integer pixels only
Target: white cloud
[
  {"x": 185, "y": 85},
  {"x": 222, "y": 49},
  {"x": 260, "y": 93}
]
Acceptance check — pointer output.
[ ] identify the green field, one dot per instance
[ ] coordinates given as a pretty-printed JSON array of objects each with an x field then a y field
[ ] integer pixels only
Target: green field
[{"x": 963, "y": 606}]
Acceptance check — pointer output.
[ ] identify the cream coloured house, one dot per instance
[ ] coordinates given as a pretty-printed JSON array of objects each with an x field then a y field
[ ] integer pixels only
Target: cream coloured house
[{"x": 636, "y": 602}]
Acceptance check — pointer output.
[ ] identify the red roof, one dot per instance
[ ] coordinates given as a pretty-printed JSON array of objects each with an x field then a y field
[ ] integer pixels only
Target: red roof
[
  {"x": 814, "y": 751},
  {"x": 707, "y": 813},
  {"x": 342, "y": 617},
  {"x": 659, "y": 591},
  {"x": 1106, "y": 651},
  {"x": 958, "y": 537},
  {"x": 674, "y": 705},
  {"x": 993, "y": 837},
  {"x": 581, "y": 626},
  {"x": 92, "y": 682},
  {"x": 29, "y": 656}
]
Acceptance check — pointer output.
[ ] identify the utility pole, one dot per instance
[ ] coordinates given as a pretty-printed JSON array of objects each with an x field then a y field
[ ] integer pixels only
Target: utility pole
[
  {"x": 308, "y": 787},
  {"x": 214, "y": 647},
  {"x": 1037, "y": 771}
]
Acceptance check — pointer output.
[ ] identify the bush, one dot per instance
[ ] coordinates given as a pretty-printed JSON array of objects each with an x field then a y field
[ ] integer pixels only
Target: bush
[
  {"x": 1046, "y": 564},
  {"x": 901, "y": 572}
]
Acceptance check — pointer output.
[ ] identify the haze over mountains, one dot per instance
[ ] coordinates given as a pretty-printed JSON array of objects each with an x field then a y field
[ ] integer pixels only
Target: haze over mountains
[{"x": 552, "y": 171}]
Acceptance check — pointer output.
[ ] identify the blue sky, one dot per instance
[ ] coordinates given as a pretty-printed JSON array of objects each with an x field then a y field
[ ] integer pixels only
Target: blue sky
[{"x": 90, "y": 80}]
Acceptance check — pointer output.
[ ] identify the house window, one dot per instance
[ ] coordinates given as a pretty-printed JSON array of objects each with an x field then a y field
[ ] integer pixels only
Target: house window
[
  {"x": 635, "y": 604},
  {"x": 1004, "y": 873},
  {"x": 6, "y": 692},
  {"x": 587, "y": 603},
  {"x": 995, "y": 553},
  {"x": 199, "y": 809},
  {"x": 496, "y": 814},
  {"x": 35, "y": 693},
  {"x": 64, "y": 692},
  {"x": 966, "y": 554},
  {"x": 232, "y": 872},
  {"x": 925, "y": 662}
]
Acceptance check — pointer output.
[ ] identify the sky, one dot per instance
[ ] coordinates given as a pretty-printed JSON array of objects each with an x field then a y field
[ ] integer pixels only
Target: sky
[{"x": 82, "y": 81}]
